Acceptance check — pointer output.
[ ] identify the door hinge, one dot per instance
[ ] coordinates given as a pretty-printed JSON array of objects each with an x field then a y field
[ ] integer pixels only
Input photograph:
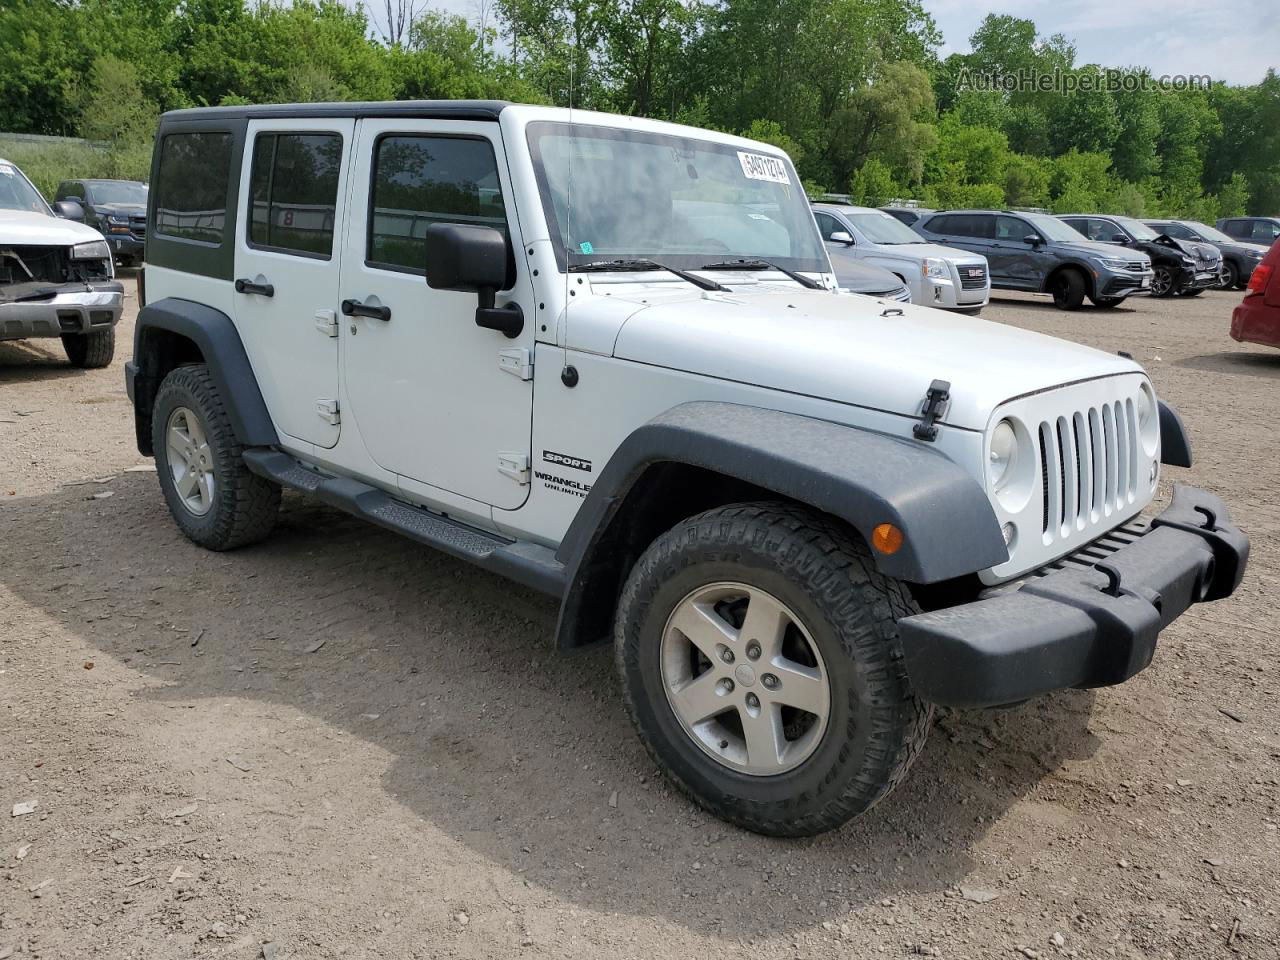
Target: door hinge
[
  {"x": 327, "y": 322},
  {"x": 518, "y": 362},
  {"x": 515, "y": 466},
  {"x": 328, "y": 411}
]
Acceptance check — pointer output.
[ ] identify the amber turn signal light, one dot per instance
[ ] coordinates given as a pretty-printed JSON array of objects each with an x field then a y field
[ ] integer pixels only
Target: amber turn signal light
[{"x": 887, "y": 538}]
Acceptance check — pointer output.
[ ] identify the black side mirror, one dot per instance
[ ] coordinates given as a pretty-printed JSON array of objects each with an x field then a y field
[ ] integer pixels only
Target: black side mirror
[
  {"x": 1120, "y": 238},
  {"x": 468, "y": 257},
  {"x": 1032, "y": 238},
  {"x": 68, "y": 210}
]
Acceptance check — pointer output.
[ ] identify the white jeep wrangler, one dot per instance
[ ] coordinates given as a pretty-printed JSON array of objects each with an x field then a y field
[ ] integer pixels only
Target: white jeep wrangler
[
  {"x": 56, "y": 276},
  {"x": 603, "y": 356}
]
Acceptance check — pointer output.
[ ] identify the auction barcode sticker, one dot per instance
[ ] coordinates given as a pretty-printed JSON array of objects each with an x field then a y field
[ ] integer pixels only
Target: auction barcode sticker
[{"x": 759, "y": 166}]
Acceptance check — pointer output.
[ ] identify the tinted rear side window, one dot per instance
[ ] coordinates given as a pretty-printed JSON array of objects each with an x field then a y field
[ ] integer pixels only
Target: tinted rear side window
[
  {"x": 979, "y": 226},
  {"x": 191, "y": 187},
  {"x": 293, "y": 187},
  {"x": 421, "y": 180}
]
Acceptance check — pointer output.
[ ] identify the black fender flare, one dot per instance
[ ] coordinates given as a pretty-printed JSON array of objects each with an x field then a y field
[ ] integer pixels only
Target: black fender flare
[
  {"x": 863, "y": 477},
  {"x": 215, "y": 336},
  {"x": 1071, "y": 263},
  {"x": 1175, "y": 445}
]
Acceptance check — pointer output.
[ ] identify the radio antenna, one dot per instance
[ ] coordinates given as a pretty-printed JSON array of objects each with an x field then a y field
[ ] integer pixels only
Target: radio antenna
[{"x": 565, "y": 374}]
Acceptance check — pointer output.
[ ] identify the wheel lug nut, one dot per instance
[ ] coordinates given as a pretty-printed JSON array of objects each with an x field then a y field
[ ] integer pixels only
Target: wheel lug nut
[
  {"x": 724, "y": 687},
  {"x": 753, "y": 650},
  {"x": 770, "y": 681},
  {"x": 726, "y": 655},
  {"x": 753, "y": 701}
]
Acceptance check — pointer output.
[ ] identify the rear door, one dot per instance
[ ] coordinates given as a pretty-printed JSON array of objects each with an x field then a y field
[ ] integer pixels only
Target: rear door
[{"x": 286, "y": 268}]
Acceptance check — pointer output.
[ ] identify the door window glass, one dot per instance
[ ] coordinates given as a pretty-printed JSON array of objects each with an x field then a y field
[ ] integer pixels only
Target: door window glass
[
  {"x": 1011, "y": 228},
  {"x": 827, "y": 225},
  {"x": 422, "y": 180},
  {"x": 293, "y": 192},
  {"x": 191, "y": 187}
]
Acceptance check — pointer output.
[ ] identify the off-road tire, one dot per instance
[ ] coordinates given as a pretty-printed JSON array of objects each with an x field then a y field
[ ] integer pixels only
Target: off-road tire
[
  {"x": 244, "y": 505},
  {"x": 1106, "y": 303},
  {"x": 877, "y": 726},
  {"x": 90, "y": 351},
  {"x": 1068, "y": 290}
]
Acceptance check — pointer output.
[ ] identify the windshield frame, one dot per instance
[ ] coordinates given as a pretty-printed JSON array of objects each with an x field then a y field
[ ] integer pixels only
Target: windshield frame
[
  {"x": 94, "y": 185},
  {"x": 535, "y": 131},
  {"x": 23, "y": 178}
]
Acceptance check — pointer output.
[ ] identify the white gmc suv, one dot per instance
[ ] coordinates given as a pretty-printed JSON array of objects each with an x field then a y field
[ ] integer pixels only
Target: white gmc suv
[
  {"x": 605, "y": 357},
  {"x": 56, "y": 276}
]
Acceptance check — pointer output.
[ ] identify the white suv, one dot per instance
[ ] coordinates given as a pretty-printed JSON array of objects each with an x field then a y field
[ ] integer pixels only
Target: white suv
[
  {"x": 603, "y": 356},
  {"x": 937, "y": 276},
  {"x": 56, "y": 276}
]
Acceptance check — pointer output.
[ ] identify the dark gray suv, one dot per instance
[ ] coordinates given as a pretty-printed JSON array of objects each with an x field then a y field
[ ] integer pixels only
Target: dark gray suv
[
  {"x": 1263, "y": 230},
  {"x": 1041, "y": 254}
]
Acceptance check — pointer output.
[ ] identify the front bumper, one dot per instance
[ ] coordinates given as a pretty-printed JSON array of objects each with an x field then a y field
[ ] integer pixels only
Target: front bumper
[
  {"x": 1087, "y": 624},
  {"x": 125, "y": 244},
  {"x": 71, "y": 308},
  {"x": 1126, "y": 284},
  {"x": 1196, "y": 279}
]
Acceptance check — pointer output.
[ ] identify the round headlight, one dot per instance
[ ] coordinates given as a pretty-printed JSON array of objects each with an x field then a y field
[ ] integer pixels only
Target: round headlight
[
  {"x": 1148, "y": 419},
  {"x": 1004, "y": 452}
]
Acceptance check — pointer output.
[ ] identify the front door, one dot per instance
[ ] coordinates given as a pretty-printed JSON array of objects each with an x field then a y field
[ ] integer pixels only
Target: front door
[
  {"x": 286, "y": 268},
  {"x": 436, "y": 398},
  {"x": 1012, "y": 258}
]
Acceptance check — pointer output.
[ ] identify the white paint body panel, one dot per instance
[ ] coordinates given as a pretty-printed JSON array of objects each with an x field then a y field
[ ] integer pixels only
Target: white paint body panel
[{"x": 296, "y": 363}]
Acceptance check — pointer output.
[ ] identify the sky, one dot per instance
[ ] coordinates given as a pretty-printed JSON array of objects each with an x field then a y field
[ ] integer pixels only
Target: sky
[{"x": 1233, "y": 41}]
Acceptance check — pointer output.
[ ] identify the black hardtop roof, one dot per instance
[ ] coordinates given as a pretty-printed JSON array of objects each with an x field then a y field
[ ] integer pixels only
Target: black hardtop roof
[{"x": 425, "y": 109}]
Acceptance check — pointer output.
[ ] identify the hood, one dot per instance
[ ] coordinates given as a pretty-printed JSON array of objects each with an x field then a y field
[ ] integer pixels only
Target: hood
[
  {"x": 918, "y": 251},
  {"x": 1200, "y": 252},
  {"x": 25, "y": 228},
  {"x": 122, "y": 209},
  {"x": 844, "y": 348},
  {"x": 861, "y": 277},
  {"x": 1095, "y": 248}
]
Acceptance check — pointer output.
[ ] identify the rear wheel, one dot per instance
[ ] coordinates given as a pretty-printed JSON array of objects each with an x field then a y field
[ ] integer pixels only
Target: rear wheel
[
  {"x": 90, "y": 351},
  {"x": 760, "y": 662},
  {"x": 213, "y": 497},
  {"x": 1068, "y": 290},
  {"x": 1163, "y": 283}
]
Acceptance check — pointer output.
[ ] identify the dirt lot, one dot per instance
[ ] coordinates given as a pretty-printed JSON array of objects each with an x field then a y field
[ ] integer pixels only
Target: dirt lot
[{"x": 345, "y": 745}]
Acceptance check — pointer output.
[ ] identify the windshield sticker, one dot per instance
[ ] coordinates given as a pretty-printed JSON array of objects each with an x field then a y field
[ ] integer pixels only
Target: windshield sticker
[
  {"x": 586, "y": 247},
  {"x": 758, "y": 166}
]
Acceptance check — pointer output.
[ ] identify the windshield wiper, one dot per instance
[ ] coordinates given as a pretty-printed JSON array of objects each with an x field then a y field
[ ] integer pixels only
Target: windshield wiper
[
  {"x": 764, "y": 265},
  {"x": 602, "y": 266}
]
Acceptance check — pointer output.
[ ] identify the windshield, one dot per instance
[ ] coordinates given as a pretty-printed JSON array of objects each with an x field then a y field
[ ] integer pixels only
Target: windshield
[
  {"x": 883, "y": 228},
  {"x": 681, "y": 201},
  {"x": 1208, "y": 232},
  {"x": 1137, "y": 229},
  {"x": 17, "y": 193},
  {"x": 118, "y": 191},
  {"x": 1054, "y": 229}
]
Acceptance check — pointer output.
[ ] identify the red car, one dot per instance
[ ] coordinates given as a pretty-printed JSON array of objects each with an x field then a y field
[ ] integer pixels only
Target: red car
[{"x": 1257, "y": 319}]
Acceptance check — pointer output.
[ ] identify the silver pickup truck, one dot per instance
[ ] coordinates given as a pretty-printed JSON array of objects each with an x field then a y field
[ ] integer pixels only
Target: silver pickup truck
[{"x": 56, "y": 276}]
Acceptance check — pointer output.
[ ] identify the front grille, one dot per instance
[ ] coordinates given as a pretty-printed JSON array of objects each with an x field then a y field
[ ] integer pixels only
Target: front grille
[
  {"x": 1089, "y": 466},
  {"x": 1135, "y": 266},
  {"x": 972, "y": 277}
]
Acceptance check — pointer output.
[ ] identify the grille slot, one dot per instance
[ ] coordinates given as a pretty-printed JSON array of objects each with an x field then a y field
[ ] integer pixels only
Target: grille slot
[
  {"x": 972, "y": 277},
  {"x": 1088, "y": 466}
]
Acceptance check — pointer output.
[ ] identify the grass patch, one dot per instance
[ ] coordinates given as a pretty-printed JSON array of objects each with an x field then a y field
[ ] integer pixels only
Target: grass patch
[{"x": 48, "y": 164}]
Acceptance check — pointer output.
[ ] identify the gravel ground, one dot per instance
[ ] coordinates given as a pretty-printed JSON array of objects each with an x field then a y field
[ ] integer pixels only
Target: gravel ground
[{"x": 341, "y": 744}]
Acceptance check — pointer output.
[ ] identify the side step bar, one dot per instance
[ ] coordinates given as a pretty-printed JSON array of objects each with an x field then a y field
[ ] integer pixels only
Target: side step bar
[{"x": 527, "y": 563}]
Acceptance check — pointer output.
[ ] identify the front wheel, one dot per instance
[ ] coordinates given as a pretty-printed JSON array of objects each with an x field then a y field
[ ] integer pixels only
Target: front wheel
[
  {"x": 1163, "y": 282},
  {"x": 760, "y": 662},
  {"x": 1068, "y": 290},
  {"x": 90, "y": 351},
  {"x": 1230, "y": 276}
]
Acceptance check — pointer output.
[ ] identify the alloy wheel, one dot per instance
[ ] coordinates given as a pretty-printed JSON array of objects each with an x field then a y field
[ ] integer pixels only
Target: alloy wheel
[
  {"x": 190, "y": 460},
  {"x": 744, "y": 678}
]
